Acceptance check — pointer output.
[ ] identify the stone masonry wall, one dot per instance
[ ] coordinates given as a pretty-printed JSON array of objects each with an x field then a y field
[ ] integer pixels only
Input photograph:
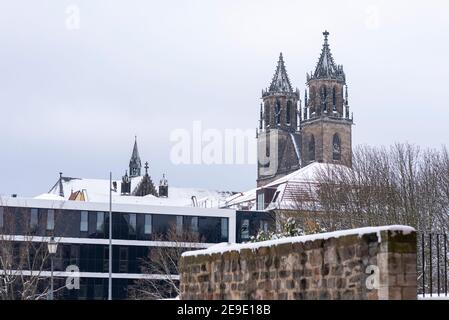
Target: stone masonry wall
[{"x": 370, "y": 265}]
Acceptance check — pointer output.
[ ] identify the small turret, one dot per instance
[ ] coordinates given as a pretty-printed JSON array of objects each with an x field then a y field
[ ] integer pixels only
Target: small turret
[
  {"x": 125, "y": 188},
  {"x": 163, "y": 187}
]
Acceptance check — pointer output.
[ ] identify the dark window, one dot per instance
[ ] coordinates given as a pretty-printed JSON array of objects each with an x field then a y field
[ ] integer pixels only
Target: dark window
[
  {"x": 100, "y": 221},
  {"x": 34, "y": 219},
  {"x": 276, "y": 195},
  {"x": 194, "y": 224},
  {"x": 267, "y": 114},
  {"x": 2, "y": 214},
  {"x": 312, "y": 148},
  {"x": 288, "y": 113},
  {"x": 132, "y": 223},
  {"x": 123, "y": 256},
  {"x": 336, "y": 147},
  {"x": 209, "y": 229},
  {"x": 334, "y": 98},
  {"x": 224, "y": 229},
  {"x": 244, "y": 231},
  {"x": 50, "y": 219},
  {"x": 278, "y": 112},
  {"x": 324, "y": 98},
  {"x": 148, "y": 224},
  {"x": 263, "y": 226},
  {"x": 84, "y": 221},
  {"x": 162, "y": 223},
  {"x": 179, "y": 224}
]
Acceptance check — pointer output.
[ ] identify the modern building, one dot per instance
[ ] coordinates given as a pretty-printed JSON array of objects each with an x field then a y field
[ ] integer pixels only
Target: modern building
[{"x": 81, "y": 230}]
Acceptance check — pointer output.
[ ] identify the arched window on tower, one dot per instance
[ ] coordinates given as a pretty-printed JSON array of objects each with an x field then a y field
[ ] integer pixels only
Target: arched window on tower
[
  {"x": 288, "y": 113},
  {"x": 312, "y": 101},
  {"x": 336, "y": 147},
  {"x": 267, "y": 114},
  {"x": 312, "y": 148},
  {"x": 334, "y": 99},
  {"x": 278, "y": 112},
  {"x": 324, "y": 98}
]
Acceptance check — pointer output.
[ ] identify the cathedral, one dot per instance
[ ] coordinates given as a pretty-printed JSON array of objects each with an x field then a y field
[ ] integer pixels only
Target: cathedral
[
  {"x": 298, "y": 138},
  {"x": 290, "y": 136}
]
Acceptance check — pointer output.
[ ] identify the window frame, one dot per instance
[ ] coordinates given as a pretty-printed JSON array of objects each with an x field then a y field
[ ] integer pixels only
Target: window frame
[
  {"x": 101, "y": 227},
  {"x": 50, "y": 226},
  {"x": 84, "y": 222},
  {"x": 148, "y": 227},
  {"x": 34, "y": 218}
]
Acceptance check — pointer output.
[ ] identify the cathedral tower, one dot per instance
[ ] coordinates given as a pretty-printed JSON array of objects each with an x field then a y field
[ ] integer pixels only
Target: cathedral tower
[
  {"x": 278, "y": 137},
  {"x": 326, "y": 124},
  {"x": 135, "y": 164}
]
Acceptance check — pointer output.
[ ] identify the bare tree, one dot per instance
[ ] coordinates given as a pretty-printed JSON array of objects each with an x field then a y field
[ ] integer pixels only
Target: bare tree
[
  {"x": 397, "y": 185},
  {"x": 160, "y": 267},
  {"x": 24, "y": 258}
]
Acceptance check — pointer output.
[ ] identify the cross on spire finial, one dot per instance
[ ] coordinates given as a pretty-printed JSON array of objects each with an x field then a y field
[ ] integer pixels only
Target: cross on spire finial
[
  {"x": 326, "y": 34},
  {"x": 146, "y": 167}
]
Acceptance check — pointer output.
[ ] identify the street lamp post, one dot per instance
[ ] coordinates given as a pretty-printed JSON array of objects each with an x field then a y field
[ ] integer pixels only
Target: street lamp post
[
  {"x": 110, "y": 238},
  {"x": 52, "y": 248}
]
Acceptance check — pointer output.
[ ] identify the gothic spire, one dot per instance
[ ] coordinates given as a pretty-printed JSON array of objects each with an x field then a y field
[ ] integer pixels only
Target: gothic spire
[
  {"x": 280, "y": 82},
  {"x": 135, "y": 164},
  {"x": 326, "y": 67}
]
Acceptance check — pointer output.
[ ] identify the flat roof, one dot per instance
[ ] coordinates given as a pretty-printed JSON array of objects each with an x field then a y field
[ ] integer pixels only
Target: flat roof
[{"x": 8, "y": 201}]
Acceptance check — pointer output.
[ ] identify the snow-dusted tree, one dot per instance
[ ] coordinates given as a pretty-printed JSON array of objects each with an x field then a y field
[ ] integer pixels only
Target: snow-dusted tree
[
  {"x": 288, "y": 227},
  {"x": 397, "y": 185}
]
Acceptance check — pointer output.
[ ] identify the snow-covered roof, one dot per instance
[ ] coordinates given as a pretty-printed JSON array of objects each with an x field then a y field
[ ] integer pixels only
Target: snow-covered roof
[
  {"x": 226, "y": 247},
  {"x": 97, "y": 190},
  {"x": 288, "y": 187},
  {"x": 242, "y": 200},
  {"x": 49, "y": 196}
]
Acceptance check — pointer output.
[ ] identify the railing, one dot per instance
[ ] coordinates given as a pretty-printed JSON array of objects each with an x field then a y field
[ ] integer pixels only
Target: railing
[{"x": 432, "y": 264}]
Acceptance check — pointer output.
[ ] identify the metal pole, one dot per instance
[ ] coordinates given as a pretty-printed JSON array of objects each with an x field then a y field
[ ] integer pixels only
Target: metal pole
[
  {"x": 445, "y": 264},
  {"x": 51, "y": 277},
  {"x": 430, "y": 262},
  {"x": 438, "y": 264},
  {"x": 423, "y": 263},
  {"x": 110, "y": 238}
]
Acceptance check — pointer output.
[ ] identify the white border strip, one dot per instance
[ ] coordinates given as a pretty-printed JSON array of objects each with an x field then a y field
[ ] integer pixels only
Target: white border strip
[
  {"x": 102, "y": 275},
  {"x": 117, "y": 242}
]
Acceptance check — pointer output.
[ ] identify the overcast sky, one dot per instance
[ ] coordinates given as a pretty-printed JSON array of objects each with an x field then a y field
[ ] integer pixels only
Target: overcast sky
[{"x": 72, "y": 98}]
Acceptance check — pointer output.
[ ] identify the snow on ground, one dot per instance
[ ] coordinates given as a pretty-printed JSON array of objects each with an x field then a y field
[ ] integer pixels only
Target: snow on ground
[
  {"x": 224, "y": 247},
  {"x": 433, "y": 297}
]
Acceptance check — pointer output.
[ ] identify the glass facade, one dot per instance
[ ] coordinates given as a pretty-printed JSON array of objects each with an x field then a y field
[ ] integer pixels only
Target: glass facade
[
  {"x": 93, "y": 257},
  {"x": 100, "y": 222},
  {"x": 50, "y": 219},
  {"x": 148, "y": 227},
  {"x": 2, "y": 219},
  {"x": 34, "y": 219},
  {"x": 126, "y": 226},
  {"x": 84, "y": 221}
]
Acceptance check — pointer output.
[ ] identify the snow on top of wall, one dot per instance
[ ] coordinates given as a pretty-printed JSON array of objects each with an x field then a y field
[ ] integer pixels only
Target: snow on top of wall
[{"x": 226, "y": 247}]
